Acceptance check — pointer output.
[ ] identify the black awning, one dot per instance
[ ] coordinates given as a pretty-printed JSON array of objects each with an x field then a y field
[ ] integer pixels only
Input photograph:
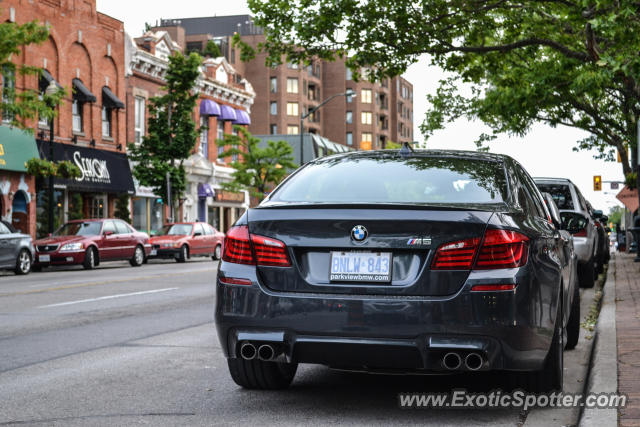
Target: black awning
[
  {"x": 110, "y": 100},
  {"x": 102, "y": 171},
  {"x": 46, "y": 79},
  {"x": 81, "y": 92}
]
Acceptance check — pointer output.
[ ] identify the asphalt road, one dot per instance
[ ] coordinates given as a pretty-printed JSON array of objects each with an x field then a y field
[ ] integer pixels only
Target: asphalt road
[{"x": 122, "y": 346}]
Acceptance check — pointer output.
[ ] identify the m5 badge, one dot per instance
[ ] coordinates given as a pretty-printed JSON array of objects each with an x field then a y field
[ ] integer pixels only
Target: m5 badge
[{"x": 420, "y": 241}]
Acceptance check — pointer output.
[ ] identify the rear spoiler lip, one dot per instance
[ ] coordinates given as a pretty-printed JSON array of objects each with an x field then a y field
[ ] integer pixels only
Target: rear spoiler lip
[{"x": 493, "y": 207}]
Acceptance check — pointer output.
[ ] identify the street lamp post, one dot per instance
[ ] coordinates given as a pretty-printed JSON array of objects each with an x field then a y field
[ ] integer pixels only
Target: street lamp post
[
  {"x": 51, "y": 90},
  {"x": 310, "y": 112}
]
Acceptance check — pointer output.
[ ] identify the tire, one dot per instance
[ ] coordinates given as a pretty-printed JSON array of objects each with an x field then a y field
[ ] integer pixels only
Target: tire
[
  {"x": 217, "y": 252},
  {"x": 90, "y": 259},
  {"x": 261, "y": 375},
  {"x": 184, "y": 254},
  {"x": 573, "y": 324},
  {"x": 550, "y": 378},
  {"x": 138, "y": 257},
  {"x": 586, "y": 274},
  {"x": 23, "y": 262}
]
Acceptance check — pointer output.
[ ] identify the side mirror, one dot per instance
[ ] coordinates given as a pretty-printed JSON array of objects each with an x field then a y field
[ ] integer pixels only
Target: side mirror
[{"x": 107, "y": 233}]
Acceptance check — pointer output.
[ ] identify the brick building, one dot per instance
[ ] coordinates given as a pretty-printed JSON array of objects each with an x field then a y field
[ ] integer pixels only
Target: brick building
[
  {"x": 225, "y": 100},
  {"x": 84, "y": 54},
  {"x": 380, "y": 112}
]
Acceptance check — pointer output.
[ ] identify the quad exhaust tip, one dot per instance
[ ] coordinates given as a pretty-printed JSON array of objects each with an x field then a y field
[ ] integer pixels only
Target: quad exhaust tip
[
  {"x": 452, "y": 361},
  {"x": 473, "y": 361},
  {"x": 265, "y": 352},
  {"x": 248, "y": 351}
]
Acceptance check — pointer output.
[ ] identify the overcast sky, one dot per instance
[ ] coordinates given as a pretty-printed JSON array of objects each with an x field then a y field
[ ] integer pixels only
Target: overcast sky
[{"x": 543, "y": 152}]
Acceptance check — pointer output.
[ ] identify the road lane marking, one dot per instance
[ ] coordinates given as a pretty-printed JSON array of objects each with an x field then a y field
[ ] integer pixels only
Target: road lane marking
[
  {"x": 153, "y": 291},
  {"x": 104, "y": 282}
]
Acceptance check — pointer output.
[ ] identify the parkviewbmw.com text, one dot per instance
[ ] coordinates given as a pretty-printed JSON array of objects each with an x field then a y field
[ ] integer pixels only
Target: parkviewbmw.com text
[{"x": 515, "y": 399}]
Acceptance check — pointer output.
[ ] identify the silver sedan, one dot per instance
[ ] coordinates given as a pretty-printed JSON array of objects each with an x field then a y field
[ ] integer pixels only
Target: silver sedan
[{"x": 16, "y": 249}]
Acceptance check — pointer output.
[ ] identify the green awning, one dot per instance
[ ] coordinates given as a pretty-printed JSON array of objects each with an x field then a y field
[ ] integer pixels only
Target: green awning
[{"x": 16, "y": 147}]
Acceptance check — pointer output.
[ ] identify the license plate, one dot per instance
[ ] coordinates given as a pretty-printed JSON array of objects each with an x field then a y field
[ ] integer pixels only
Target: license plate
[
  {"x": 360, "y": 266},
  {"x": 44, "y": 258},
  {"x": 153, "y": 252}
]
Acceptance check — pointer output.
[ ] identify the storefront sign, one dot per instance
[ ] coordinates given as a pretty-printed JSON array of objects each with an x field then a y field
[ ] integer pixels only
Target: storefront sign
[
  {"x": 102, "y": 171},
  {"x": 229, "y": 196}
]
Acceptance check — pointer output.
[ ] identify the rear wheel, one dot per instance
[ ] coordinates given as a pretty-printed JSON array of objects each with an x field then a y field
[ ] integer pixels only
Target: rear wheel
[
  {"x": 90, "y": 258},
  {"x": 138, "y": 257},
  {"x": 573, "y": 325},
  {"x": 184, "y": 254},
  {"x": 23, "y": 262},
  {"x": 550, "y": 378},
  {"x": 216, "y": 253},
  {"x": 259, "y": 374},
  {"x": 586, "y": 274}
]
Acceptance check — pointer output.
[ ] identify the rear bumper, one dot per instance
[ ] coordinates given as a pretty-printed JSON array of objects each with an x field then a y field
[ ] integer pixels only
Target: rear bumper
[
  {"x": 583, "y": 247},
  {"x": 511, "y": 330}
]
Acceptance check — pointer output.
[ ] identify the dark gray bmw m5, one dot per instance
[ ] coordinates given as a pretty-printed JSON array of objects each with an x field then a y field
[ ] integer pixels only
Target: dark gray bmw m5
[{"x": 402, "y": 262}]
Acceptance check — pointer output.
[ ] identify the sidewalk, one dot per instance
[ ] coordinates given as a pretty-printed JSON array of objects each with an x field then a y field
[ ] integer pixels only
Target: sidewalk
[{"x": 628, "y": 334}]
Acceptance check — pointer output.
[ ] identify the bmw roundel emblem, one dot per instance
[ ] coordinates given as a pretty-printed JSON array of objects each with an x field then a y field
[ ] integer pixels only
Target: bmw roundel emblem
[{"x": 359, "y": 233}]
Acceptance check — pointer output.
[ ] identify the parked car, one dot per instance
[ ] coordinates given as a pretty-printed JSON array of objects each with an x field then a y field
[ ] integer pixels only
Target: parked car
[
  {"x": 184, "y": 240},
  {"x": 397, "y": 261},
  {"x": 576, "y": 217},
  {"x": 16, "y": 249},
  {"x": 602, "y": 253},
  {"x": 90, "y": 242}
]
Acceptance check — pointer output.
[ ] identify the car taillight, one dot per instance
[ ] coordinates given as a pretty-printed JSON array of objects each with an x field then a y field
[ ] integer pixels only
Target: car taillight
[
  {"x": 502, "y": 249},
  {"x": 237, "y": 249},
  {"x": 491, "y": 288},
  {"x": 499, "y": 249},
  {"x": 455, "y": 255}
]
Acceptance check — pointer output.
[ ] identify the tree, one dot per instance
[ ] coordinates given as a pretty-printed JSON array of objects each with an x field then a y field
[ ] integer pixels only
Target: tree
[
  {"x": 122, "y": 208},
  {"x": 258, "y": 169},
  {"x": 17, "y": 107},
  {"x": 572, "y": 63},
  {"x": 76, "y": 210},
  {"x": 172, "y": 130},
  {"x": 212, "y": 49}
]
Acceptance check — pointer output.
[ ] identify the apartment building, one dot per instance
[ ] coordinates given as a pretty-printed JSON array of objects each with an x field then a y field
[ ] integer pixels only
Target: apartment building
[{"x": 379, "y": 112}]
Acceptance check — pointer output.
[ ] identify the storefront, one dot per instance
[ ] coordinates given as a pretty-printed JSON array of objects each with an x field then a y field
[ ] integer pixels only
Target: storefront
[
  {"x": 105, "y": 176},
  {"x": 17, "y": 189},
  {"x": 148, "y": 210}
]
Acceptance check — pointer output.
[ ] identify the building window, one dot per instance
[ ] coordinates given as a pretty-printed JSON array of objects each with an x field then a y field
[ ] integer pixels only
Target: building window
[
  {"x": 204, "y": 136},
  {"x": 365, "y": 96},
  {"x": 42, "y": 84},
  {"x": 365, "y": 143},
  {"x": 273, "y": 107},
  {"x": 349, "y": 117},
  {"x": 349, "y": 138},
  {"x": 292, "y": 85},
  {"x": 220, "y": 138},
  {"x": 366, "y": 117},
  {"x": 349, "y": 97},
  {"x": 292, "y": 109},
  {"x": 106, "y": 121},
  {"x": 274, "y": 84},
  {"x": 8, "y": 92},
  {"x": 292, "y": 130},
  {"x": 139, "y": 123},
  {"x": 76, "y": 115},
  {"x": 274, "y": 129},
  {"x": 349, "y": 74},
  {"x": 292, "y": 65}
]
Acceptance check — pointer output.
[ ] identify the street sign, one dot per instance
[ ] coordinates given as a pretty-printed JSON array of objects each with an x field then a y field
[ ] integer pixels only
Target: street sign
[{"x": 597, "y": 183}]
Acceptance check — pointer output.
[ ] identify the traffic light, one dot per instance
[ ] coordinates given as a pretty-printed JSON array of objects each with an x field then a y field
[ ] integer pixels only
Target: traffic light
[{"x": 597, "y": 183}]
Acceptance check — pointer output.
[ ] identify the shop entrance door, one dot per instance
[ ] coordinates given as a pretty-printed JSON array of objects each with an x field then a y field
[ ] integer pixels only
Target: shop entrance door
[
  {"x": 98, "y": 207},
  {"x": 19, "y": 212}
]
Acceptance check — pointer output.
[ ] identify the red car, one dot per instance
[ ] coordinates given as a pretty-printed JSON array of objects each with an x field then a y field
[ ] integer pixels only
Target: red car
[
  {"x": 184, "y": 240},
  {"x": 90, "y": 242}
]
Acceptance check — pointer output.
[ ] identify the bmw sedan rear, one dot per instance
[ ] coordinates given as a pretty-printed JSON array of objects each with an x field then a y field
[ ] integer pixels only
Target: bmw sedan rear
[{"x": 428, "y": 262}]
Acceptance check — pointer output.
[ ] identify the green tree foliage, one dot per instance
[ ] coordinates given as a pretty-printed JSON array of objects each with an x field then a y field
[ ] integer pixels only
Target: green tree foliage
[
  {"x": 257, "y": 169},
  {"x": 572, "y": 63},
  {"x": 172, "y": 131},
  {"x": 122, "y": 208},
  {"x": 615, "y": 216},
  {"x": 75, "y": 207},
  {"x": 212, "y": 49},
  {"x": 16, "y": 106}
]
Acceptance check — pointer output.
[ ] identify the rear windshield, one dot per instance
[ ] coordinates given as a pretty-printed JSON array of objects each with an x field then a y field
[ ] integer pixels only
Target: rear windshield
[
  {"x": 414, "y": 180},
  {"x": 561, "y": 194}
]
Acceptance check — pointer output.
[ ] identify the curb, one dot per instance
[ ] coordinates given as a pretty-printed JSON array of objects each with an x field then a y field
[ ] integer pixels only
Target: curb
[{"x": 603, "y": 372}]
